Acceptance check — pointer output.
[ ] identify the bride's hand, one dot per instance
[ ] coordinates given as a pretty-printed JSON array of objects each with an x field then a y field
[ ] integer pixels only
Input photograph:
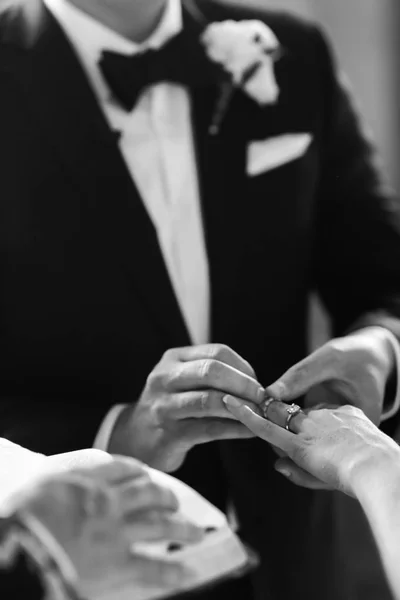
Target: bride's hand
[{"x": 325, "y": 448}]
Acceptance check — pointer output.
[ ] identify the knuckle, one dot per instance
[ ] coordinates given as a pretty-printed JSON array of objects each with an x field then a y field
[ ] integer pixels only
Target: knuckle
[
  {"x": 204, "y": 400},
  {"x": 163, "y": 379},
  {"x": 209, "y": 370},
  {"x": 336, "y": 353},
  {"x": 155, "y": 379},
  {"x": 218, "y": 351},
  {"x": 168, "y": 355},
  {"x": 171, "y": 378},
  {"x": 160, "y": 413}
]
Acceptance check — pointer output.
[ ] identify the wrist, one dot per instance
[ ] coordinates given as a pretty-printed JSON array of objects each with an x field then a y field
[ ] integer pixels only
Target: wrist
[
  {"x": 120, "y": 439},
  {"x": 377, "y": 468}
]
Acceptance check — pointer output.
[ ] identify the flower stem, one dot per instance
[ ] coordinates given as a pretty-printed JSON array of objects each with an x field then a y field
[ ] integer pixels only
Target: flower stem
[{"x": 228, "y": 89}]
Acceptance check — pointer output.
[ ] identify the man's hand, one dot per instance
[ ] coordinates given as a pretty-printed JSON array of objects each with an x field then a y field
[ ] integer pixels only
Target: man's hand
[
  {"x": 98, "y": 514},
  {"x": 348, "y": 370},
  {"x": 181, "y": 406}
]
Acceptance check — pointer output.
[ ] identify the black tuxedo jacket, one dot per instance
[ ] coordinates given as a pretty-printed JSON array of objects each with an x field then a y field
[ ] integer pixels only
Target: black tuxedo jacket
[{"x": 86, "y": 307}]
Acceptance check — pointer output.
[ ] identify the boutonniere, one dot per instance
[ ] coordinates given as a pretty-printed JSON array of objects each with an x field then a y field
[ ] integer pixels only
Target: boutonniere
[{"x": 247, "y": 52}]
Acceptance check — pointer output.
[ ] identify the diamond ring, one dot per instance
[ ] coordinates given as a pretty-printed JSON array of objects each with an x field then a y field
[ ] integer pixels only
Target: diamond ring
[
  {"x": 292, "y": 411},
  {"x": 265, "y": 406}
]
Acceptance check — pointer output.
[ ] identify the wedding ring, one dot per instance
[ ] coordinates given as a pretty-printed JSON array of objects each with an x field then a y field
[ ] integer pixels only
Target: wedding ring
[
  {"x": 292, "y": 411},
  {"x": 265, "y": 406}
]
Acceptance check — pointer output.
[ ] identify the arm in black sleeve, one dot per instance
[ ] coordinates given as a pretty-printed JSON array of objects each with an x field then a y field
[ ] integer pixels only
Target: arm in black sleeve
[
  {"x": 357, "y": 258},
  {"x": 357, "y": 255}
]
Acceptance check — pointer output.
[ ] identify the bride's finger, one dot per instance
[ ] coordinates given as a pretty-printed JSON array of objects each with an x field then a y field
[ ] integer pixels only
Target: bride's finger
[
  {"x": 278, "y": 414},
  {"x": 298, "y": 476},
  {"x": 259, "y": 426}
]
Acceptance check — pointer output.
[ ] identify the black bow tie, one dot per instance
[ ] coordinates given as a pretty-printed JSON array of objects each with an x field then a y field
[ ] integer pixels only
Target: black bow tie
[{"x": 182, "y": 60}]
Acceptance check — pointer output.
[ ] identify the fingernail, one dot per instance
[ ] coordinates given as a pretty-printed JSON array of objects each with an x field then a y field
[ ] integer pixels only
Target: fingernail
[
  {"x": 284, "y": 472},
  {"x": 261, "y": 395},
  {"x": 277, "y": 390},
  {"x": 231, "y": 401}
]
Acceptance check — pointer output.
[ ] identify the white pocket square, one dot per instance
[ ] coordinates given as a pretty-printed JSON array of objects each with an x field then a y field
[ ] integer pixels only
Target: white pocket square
[{"x": 265, "y": 155}]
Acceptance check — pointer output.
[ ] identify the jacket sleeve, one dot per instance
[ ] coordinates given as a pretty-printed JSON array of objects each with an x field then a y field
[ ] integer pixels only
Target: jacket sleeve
[{"x": 357, "y": 253}]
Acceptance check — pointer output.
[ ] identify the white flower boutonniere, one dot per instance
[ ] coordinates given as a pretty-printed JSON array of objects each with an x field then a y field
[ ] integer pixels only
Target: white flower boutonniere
[{"x": 247, "y": 52}]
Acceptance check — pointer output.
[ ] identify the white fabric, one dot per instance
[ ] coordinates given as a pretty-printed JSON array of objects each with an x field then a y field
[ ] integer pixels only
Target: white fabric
[
  {"x": 265, "y": 155},
  {"x": 390, "y": 411},
  {"x": 157, "y": 146}
]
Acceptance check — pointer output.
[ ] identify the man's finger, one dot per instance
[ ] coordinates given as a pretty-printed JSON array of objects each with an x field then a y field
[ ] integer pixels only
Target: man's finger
[
  {"x": 203, "y": 431},
  {"x": 320, "y": 366},
  {"x": 197, "y": 405},
  {"x": 298, "y": 476},
  {"x": 218, "y": 352},
  {"x": 145, "y": 494},
  {"x": 207, "y": 404},
  {"x": 275, "y": 435},
  {"x": 212, "y": 374}
]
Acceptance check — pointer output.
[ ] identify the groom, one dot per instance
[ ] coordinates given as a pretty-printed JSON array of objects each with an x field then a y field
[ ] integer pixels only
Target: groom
[{"x": 134, "y": 238}]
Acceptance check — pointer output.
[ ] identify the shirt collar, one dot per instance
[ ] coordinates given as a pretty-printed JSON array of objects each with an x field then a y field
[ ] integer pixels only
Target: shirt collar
[{"x": 90, "y": 37}]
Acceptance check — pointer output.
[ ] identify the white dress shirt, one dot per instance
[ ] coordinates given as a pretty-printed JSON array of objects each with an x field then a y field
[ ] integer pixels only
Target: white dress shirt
[{"x": 157, "y": 145}]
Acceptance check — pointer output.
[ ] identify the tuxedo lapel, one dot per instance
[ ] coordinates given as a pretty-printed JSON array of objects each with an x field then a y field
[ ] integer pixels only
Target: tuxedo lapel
[
  {"x": 221, "y": 167},
  {"x": 70, "y": 118}
]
